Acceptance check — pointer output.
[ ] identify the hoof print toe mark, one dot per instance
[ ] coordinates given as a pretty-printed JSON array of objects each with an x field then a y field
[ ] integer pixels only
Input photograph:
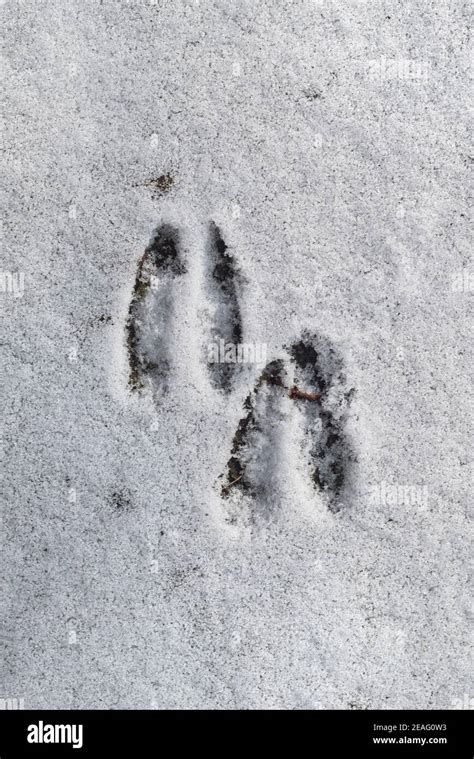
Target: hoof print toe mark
[
  {"x": 319, "y": 368},
  {"x": 151, "y": 308},
  {"x": 223, "y": 290},
  {"x": 255, "y": 449}
]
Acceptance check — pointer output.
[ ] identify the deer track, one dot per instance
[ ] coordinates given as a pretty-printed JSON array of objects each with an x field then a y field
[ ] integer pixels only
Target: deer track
[{"x": 307, "y": 379}]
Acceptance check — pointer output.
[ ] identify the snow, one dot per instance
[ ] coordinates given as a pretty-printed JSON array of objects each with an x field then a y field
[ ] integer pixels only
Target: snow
[{"x": 342, "y": 196}]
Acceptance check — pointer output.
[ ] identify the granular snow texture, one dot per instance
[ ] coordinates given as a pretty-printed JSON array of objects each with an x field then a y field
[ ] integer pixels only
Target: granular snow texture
[{"x": 311, "y": 158}]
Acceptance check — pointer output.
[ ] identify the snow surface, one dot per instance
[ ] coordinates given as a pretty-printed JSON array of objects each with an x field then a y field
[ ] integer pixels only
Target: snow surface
[{"x": 342, "y": 195}]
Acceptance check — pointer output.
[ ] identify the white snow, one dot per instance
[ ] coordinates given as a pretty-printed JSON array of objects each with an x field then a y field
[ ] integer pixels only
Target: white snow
[{"x": 343, "y": 199}]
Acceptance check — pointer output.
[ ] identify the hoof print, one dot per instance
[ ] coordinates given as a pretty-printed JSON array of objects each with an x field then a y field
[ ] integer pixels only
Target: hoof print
[
  {"x": 320, "y": 370},
  {"x": 223, "y": 283},
  {"x": 318, "y": 389},
  {"x": 252, "y": 468},
  {"x": 151, "y": 309}
]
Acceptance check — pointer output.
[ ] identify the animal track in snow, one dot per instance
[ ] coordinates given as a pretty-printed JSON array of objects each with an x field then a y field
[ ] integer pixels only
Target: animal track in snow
[
  {"x": 319, "y": 389},
  {"x": 319, "y": 368},
  {"x": 255, "y": 446},
  {"x": 224, "y": 281},
  {"x": 308, "y": 381},
  {"x": 151, "y": 309}
]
